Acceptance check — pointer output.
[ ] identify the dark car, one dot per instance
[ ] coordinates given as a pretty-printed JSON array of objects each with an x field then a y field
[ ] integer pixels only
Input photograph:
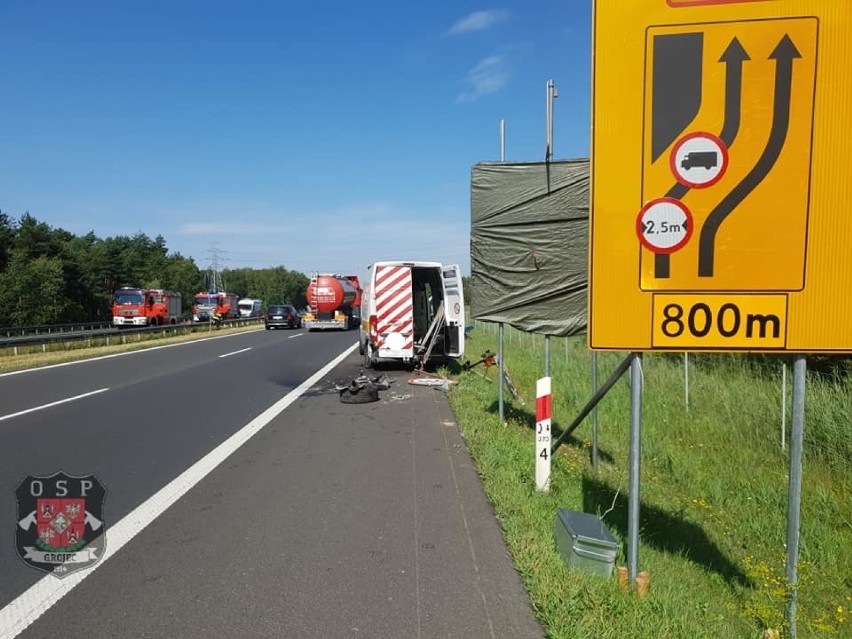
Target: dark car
[{"x": 282, "y": 315}]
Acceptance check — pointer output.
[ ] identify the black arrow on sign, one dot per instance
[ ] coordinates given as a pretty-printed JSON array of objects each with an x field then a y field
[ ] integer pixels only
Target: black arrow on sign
[
  {"x": 733, "y": 57},
  {"x": 784, "y": 54}
]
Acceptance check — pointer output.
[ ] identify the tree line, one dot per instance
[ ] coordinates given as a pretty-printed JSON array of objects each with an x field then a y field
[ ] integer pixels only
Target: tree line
[{"x": 51, "y": 276}]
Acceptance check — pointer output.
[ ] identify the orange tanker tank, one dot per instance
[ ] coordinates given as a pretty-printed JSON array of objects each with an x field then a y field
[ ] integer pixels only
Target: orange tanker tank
[
  {"x": 327, "y": 293},
  {"x": 331, "y": 299}
]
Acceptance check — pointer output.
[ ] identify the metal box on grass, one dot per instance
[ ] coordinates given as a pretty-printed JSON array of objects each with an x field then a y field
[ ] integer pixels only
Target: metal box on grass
[{"x": 584, "y": 542}]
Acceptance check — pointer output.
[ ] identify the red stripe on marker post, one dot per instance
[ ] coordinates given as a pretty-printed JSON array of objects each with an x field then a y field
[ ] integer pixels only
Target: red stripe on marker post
[{"x": 543, "y": 406}]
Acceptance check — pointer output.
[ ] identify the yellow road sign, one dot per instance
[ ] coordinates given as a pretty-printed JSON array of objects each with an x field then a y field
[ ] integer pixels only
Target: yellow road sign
[{"x": 718, "y": 180}]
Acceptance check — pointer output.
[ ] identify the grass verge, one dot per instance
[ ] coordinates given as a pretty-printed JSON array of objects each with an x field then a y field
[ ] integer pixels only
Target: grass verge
[{"x": 713, "y": 492}]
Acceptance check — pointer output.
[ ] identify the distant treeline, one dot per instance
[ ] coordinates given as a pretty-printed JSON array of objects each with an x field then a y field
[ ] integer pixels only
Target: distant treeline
[{"x": 51, "y": 276}]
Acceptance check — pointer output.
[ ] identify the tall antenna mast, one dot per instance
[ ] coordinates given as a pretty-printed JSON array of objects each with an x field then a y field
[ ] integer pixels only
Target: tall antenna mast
[{"x": 215, "y": 276}]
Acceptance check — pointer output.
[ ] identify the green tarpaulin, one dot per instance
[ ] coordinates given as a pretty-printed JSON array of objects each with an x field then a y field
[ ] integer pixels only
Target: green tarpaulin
[{"x": 529, "y": 245}]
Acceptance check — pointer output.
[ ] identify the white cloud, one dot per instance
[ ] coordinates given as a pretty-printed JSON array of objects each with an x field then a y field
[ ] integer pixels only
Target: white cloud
[
  {"x": 489, "y": 76},
  {"x": 225, "y": 228},
  {"x": 477, "y": 21},
  {"x": 340, "y": 240}
]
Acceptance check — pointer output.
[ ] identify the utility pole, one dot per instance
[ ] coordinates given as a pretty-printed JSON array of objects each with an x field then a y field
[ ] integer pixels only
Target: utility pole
[
  {"x": 216, "y": 254},
  {"x": 552, "y": 94}
]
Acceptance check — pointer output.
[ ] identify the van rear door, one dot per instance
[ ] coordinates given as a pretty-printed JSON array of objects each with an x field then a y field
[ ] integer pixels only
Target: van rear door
[
  {"x": 454, "y": 309},
  {"x": 394, "y": 310}
]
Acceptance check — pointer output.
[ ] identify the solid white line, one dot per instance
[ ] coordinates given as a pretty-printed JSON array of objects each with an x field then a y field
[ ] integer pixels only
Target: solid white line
[
  {"x": 51, "y": 404},
  {"x": 35, "y": 601},
  {"x": 242, "y": 350}
]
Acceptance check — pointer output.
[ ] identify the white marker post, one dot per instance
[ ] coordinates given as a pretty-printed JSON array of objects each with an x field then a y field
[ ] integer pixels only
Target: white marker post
[{"x": 543, "y": 414}]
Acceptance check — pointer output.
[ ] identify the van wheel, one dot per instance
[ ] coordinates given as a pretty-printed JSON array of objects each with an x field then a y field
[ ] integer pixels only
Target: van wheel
[
  {"x": 360, "y": 347},
  {"x": 368, "y": 360}
]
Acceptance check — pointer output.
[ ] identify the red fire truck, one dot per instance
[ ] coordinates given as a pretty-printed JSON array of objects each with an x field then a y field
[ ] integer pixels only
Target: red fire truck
[
  {"x": 145, "y": 307},
  {"x": 208, "y": 305}
]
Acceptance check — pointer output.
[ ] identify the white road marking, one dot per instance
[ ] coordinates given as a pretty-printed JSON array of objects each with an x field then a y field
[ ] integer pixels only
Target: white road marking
[
  {"x": 52, "y": 404},
  {"x": 242, "y": 350},
  {"x": 36, "y": 600},
  {"x": 296, "y": 335}
]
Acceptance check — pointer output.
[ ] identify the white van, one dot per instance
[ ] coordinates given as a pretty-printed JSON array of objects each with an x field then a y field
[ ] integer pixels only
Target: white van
[
  {"x": 412, "y": 312},
  {"x": 249, "y": 307}
]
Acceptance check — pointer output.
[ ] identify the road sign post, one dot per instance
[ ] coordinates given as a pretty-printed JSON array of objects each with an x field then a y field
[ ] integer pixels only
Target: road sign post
[
  {"x": 794, "y": 492},
  {"x": 635, "y": 464}
]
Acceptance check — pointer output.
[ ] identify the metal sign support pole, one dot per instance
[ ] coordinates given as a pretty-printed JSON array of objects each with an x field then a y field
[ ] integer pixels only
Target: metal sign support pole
[
  {"x": 783, "y": 406},
  {"x": 794, "y": 492},
  {"x": 595, "y": 411},
  {"x": 622, "y": 368},
  {"x": 635, "y": 446},
  {"x": 500, "y": 371},
  {"x": 686, "y": 380}
]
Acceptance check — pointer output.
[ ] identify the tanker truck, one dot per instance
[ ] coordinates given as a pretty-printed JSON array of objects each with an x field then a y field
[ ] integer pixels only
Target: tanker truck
[{"x": 332, "y": 300}]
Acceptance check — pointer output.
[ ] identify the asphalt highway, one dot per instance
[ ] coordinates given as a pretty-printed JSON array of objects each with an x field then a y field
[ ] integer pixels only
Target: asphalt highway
[{"x": 244, "y": 499}]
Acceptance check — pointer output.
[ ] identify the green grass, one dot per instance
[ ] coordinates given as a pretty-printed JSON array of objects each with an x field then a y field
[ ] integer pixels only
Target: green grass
[{"x": 713, "y": 491}]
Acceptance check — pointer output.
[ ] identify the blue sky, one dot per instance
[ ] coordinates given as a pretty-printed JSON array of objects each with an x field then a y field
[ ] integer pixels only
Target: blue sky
[{"x": 313, "y": 135}]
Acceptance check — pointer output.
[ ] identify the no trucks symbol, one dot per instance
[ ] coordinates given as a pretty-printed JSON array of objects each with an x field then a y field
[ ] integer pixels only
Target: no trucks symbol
[{"x": 699, "y": 160}]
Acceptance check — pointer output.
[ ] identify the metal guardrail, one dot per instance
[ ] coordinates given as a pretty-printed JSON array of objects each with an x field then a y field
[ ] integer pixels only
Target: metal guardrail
[
  {"x": 113, "y": 335},
  {"x": 9, "y": 331}
]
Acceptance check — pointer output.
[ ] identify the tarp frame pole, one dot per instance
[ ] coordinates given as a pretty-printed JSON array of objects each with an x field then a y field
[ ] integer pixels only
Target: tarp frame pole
[
  {"x": 500, "y": 371},
  {"x": 500, "y": 326},
  {"x": 547, "y": 355}
]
